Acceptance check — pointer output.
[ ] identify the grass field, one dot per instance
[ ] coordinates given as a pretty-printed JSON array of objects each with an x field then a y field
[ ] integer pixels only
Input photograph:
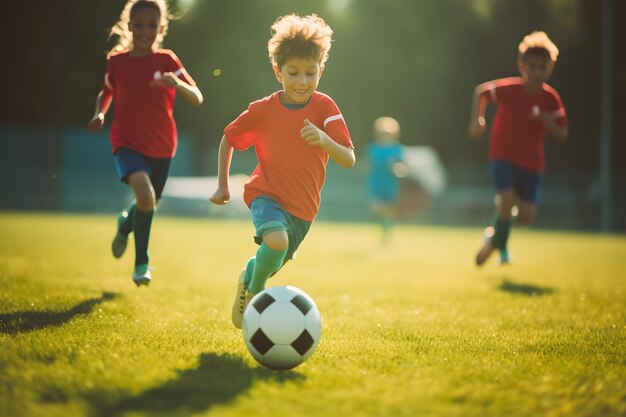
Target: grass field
[{"x": 413, "y": 329}]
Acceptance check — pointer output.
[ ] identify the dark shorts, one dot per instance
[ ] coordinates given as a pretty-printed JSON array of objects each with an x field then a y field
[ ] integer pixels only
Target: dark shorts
[
  {"x": 129, "y": 161},
  {"x": 269, "y": 216},
  {"x": 525, "y": 183}
]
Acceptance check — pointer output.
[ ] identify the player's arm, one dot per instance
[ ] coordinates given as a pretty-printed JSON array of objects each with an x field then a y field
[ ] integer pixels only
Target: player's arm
[
  {"x": 558, "y": 132},
  {"x": 342, "y": 155},
  {"x": 103, "y": 102},
  {"x": 190, "y": 93},
  {"x": 477, "y": 124},
  {"x": 225, "y": 155}
]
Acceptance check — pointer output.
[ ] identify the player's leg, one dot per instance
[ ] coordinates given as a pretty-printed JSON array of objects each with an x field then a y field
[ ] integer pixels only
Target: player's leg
[
  {"x": 502, "y": 174},
  {"x": 145, "y": 199},
  {"x": 269, "y": 258},
  {"x": 271, "y": 224},
  {"x": 126, "y": 161},
  {"x": 503, "y": 223},
  {"x": 383, "y": 213},
  {"x": 124, "y": 228},
  {"x": 527, "y": 213},
  {"x": 528, "y": 195}
]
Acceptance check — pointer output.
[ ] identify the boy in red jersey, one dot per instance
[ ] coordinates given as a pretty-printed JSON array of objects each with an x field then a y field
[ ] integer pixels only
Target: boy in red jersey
[
  {"x": 527, "y": 108},
  {"x": 142, "y": 80},
  {"x": 294, "y": 131}
]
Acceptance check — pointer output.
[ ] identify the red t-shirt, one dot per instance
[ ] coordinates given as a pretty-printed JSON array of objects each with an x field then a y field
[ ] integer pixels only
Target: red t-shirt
[
  {"x": 515, "y": 136},
  {"x": 143, "y": 119},
  {"x": 290, "y": 170}
]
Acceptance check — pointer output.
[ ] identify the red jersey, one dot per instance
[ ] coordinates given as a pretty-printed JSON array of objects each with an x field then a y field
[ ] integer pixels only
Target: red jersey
[
  {"x": 289, "y": 170},
  {"x": 143, "y": 120},
  {"x": 515, "y": 136}
]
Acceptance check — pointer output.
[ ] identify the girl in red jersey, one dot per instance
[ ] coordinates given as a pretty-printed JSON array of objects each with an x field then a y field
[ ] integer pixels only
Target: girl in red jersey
[
  {"x": 294, "y": 132},
  {"x": 527, "y": 108},
  {"x": 142, "y": 81}
]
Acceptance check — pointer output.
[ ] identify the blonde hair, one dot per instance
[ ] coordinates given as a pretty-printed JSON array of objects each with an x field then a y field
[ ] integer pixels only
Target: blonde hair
[
  {"x": 122, "y": 31},
  {"x": 302, "y": 37},
  {"x": 387, "y": 126},
  {"x": 537, "y": 42}
]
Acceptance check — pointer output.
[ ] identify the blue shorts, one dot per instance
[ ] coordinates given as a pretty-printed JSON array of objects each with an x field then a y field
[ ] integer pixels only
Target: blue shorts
[
  {"x": 384, "y": 193},
  {"x": 383, "y": 188},
  {"x": 526, "y": 183},
  {"x": 129, "y": 161},
  {"x": 269, "y": 216}
]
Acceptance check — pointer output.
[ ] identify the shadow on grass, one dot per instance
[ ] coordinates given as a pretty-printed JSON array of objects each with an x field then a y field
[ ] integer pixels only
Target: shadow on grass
[
  {"x": 26, "y": 321},
  {"x": 218, "y": 379},
  {"x": 523, "y": 289}
]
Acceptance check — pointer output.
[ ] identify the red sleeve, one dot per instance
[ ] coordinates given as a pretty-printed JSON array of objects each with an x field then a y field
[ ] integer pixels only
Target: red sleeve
[
  {"x": 498, "y": 90},
  {"x": 335, "y": 125},
  {"x": 177, "y": 68},
  {"x": 241, "y": 133},
  {"x": 556, "y": 108}
]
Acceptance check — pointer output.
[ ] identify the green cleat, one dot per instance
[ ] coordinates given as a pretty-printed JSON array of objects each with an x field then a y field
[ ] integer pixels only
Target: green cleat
[
  {"x": 142, "y": 275},
  {"x": 505, "y": 258},
  {"x": 120, "y": 241}
]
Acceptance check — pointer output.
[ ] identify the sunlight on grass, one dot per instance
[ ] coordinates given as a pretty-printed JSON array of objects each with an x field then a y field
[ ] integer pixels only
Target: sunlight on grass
[{"x": 413, "y": 328}]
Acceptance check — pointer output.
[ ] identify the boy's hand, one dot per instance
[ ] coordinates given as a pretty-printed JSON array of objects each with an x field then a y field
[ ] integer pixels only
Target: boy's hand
[
  {"x": 477, "y": 127},
  {"x": 220, "y": 196},
  {"x": 313, "y": 135},
  {"x": 167, "y": 79},
  {"x": 96, "y": 122}
]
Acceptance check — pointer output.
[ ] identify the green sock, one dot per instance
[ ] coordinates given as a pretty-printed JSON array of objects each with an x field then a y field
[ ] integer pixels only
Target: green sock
[
  {"x": 502, "y": 229},
  {"x": 142, "y": 221},
  {"x": 267, "y": 262},
  {"x": 247, "y": 276},
  {"x": 127, "y": 225}
]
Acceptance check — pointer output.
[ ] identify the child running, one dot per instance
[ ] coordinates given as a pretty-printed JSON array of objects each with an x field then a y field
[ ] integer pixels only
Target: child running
[
  {"x": 386, "y": 165},
  {"x": 294, "y": 131},
  {"x": 142, "y": 81},
  {"x": 527, "y": 108}
]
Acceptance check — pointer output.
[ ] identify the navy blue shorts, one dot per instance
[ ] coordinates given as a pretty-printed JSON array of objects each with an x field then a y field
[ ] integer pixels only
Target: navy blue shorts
[
  {"x": 526, "y": 183},
  {"x": 269, "y": 216},
  {"x": 129, "y": 161}
]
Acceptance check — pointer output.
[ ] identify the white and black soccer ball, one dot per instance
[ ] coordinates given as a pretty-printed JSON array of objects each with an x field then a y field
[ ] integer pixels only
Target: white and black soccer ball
[{"x": 281, "y": 327}]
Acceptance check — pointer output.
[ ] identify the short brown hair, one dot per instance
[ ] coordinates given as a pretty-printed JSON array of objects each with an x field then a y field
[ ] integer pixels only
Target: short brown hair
[{"x": 301, "y": 37}]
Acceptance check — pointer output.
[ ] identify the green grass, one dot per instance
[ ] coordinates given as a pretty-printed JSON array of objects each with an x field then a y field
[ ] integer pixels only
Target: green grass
[{"x": 413, "y": 329}]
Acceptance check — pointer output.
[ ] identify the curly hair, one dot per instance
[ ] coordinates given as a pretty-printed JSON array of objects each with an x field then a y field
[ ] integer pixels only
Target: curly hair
[
  {"x": 121, "y": 30},
  {"x": 301, "y": 37},
  {"x": 538, "y": 43}
]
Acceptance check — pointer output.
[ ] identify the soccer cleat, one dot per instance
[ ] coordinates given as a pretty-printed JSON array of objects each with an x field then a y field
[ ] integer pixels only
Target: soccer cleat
[
  {"x": 118, "y": 246},
  {"x": 142, "y": 275},
  {"x": 239, "y": 304},
  {"x": 505, "y": 258},
  {"x": 485, "y": 252}
]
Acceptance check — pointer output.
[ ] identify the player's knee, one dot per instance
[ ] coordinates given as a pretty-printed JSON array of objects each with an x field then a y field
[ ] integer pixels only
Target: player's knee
[
  {"x": 526, "y": 215},
  {"x": 278, "y": 240},
  {"x": 145, "y": 201},
  {"x": 144, "y": 192},
  {"x": 525, "y": 219}
]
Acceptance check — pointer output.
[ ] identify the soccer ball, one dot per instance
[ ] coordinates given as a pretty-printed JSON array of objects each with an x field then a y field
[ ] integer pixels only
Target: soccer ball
[{"x": 281, "y": 327}]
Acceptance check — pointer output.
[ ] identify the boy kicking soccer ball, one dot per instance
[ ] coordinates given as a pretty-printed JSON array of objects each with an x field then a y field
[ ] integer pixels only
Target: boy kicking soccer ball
[{"x": 294, "y": 131}]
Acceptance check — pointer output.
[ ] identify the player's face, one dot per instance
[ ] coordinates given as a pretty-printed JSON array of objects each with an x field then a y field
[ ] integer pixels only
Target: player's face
[
  {"x": 145, "y": 25},
  {"x": 536, "y": 69},
  {"x": 299, "y": 77}
]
